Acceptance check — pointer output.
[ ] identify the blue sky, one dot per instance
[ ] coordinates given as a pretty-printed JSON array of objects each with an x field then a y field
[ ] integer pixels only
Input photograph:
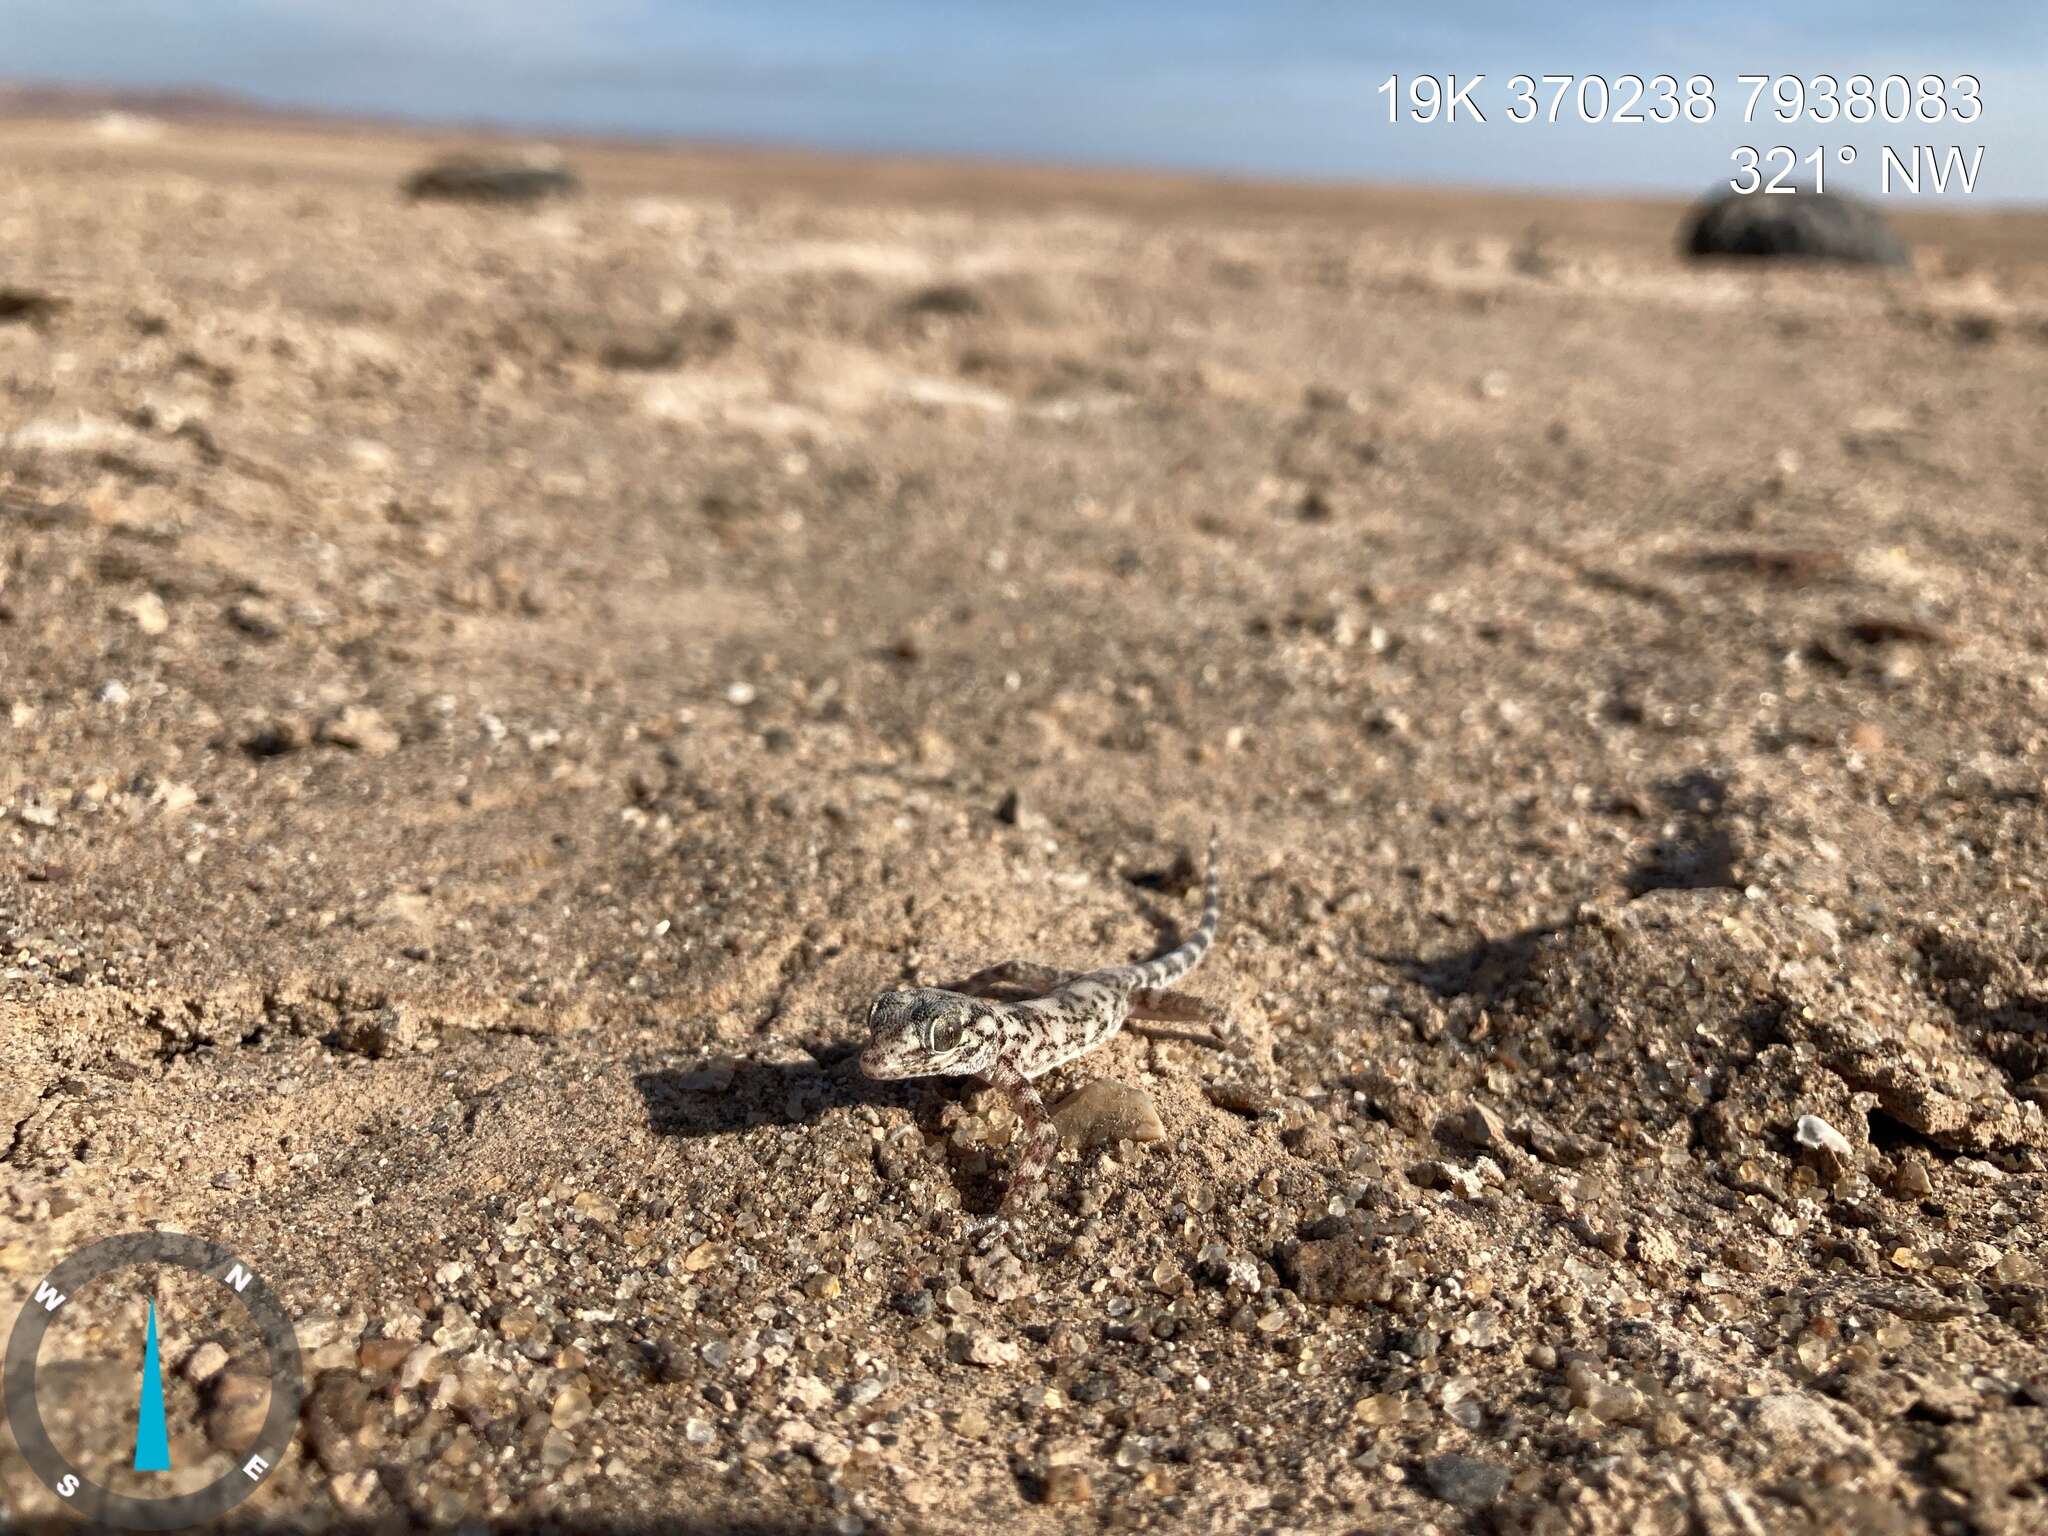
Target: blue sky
[{"x": 1272, "y": 87}]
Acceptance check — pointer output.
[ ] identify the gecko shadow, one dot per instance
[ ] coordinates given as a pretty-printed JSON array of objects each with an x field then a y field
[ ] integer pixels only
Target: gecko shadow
[
  {"x": 715, "y": 1100},
  {"x": 1704, "y": 851},
  {"x": 694, "y": 1103},
  {"x": 1491, "y": 969}
]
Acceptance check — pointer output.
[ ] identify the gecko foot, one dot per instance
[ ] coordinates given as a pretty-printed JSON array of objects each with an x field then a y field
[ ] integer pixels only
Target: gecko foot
[{"x": 986, "y": 1231}]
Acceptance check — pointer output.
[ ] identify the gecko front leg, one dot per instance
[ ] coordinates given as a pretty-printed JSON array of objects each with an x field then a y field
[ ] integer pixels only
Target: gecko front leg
[{"x": 1041, "y": 1136}]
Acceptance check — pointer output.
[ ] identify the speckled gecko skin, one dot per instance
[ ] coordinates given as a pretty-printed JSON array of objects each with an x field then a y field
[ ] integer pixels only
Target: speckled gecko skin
[{"x": 961, "y": 1032}]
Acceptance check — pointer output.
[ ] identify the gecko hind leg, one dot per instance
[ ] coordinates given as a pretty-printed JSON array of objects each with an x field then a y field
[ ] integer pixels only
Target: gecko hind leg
[
  {"x": 1027, "y": 976},
  {"x": 1157, "y": 1005},
  {"x": 1169, "y": 1007}
]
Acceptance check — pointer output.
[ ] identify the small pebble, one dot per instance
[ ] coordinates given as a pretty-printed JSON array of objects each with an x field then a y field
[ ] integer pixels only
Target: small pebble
[
  {"x": 1465, "y": 1482},
  {"x": 1067, "y": 1485},
  {"x": 205, "y": 1362}
]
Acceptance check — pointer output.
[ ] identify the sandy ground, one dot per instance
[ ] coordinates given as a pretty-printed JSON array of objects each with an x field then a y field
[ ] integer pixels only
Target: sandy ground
[{"x": 487, "y": 697}]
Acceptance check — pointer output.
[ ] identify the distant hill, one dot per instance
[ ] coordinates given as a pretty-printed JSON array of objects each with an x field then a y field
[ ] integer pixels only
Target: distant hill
[
  {"x": 60, "y": 100},
  {"x": 178, "y": 104},
  {"x": 194, "y": 105}
]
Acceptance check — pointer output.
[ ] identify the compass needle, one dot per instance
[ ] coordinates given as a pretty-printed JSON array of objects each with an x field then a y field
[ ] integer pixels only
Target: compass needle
[{"x": 152, "y": 1437}]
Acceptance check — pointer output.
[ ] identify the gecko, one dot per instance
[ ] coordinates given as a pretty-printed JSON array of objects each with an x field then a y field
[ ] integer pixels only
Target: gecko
[{"x": 965, "y": 1031}]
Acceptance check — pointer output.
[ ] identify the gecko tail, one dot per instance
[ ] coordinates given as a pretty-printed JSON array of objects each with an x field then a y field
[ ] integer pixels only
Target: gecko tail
[
  {"x": 1177, "y": 962},
  {"x": 1212, "y": 898}
]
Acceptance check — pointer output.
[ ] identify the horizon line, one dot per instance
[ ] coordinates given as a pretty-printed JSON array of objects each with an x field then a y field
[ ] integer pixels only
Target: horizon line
[{"x": 200, "y": 102}]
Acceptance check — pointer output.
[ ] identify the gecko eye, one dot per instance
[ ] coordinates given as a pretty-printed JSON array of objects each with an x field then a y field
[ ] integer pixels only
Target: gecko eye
[{"x": 946, "y": 1032}]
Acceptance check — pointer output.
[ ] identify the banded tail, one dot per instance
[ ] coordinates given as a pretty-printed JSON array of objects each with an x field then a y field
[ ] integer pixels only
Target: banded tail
[{"x": 1176, "y": 963}]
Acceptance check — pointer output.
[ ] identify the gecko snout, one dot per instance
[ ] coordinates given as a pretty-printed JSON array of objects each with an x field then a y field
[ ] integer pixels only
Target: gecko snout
[
  {"x": 894, "y": 1044},
  {"x": 878, "y": 1061}
]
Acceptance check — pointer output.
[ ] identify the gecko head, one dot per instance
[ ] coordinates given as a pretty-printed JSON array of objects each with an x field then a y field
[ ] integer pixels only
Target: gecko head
[{"x": 926, "y": 1032}]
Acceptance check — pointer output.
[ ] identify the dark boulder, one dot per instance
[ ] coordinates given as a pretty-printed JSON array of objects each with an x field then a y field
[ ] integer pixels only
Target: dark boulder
[
  {"x": 493, "y": 179},
  {"x": 1802, "y": 225}
]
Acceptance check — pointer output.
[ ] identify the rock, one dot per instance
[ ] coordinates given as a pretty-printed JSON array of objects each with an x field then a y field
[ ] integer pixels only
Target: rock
[
  {"x": 952, "y": 299},
  {"x": 985, "y": 1349},
  {"x": 914, "y": 1304},
  {"x": 353, "y": 1490},
  {"x": 1067, "y": 1485},
  {"x": 1476, "y": 1126},
  {"x": 1653, "y": 1246},
  {"x": 1314, "y": 1142},
  {"x": 381, "y": 1357},
  {"x": 257, "y": 617},
  {"x": 360, "y": 729},
  {"x": 1342, "y": 1270},
  {"x": 493, "y": 178},
  {"x": 1923, "y": 1072},
  {"x": 1553, "y": 1146},
  {"x": 318, "y": 1331},
  {"x": 713, "y": 1076},
  {"x": 205, "y": 1362},
  {"x": 1614, "y": 1401},
  {"x": 387, "y": 1032},
  {"x": 418, "y": 1366},
  {"x": 693, "y": 338},
  {"x": 557, "y": 1450},
  {"x": 1813, "y": 1132},
  {"x": 1465, "y": 1183},
  {"x": 1241, "y": 1097},
  {"x": 1809, "y": 225},
  {"x": 571, "y": 1408},
  {"x": 2015, "y": 1268},
  {"x": 240, "y": 1402},
  {"x": 1832, "y": 1154},
  {"x": 149, "y": 613},
  {"x": 276, "y": 737},
  {"x": 1800, "y": 1425},
  {"x": 1910, "y": 1179},
  {"x": 1465, "y": 1482},
  {"x": 31, "y": 305},
  {"x": 1943, "y": 1396},
  {"x": 1106, "y": 1111},
  {"x": 705, "y": 1255},
  {"x": 456, "y": 1331}
]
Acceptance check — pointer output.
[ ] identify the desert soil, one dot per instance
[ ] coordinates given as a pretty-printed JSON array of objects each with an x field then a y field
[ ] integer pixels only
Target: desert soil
[{"x": 487, "y": 696}]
